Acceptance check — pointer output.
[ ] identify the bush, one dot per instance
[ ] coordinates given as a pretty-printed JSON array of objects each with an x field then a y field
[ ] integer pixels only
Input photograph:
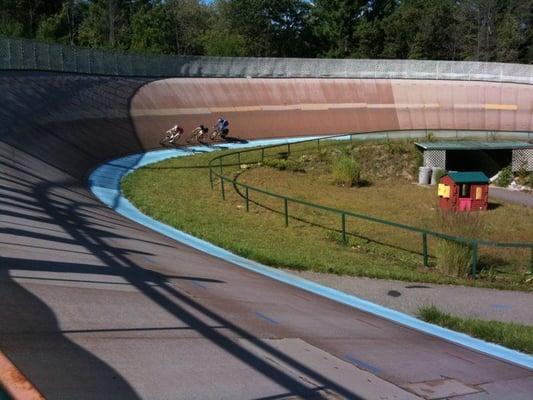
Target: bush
[
  {"x": 418, "y": 160},
  {"x": 454, "y": 258},
  {"x": 524, "y": 177},
  {"x": 505, "y": 178},
  {"x": 346, "y": 172},
  {"x": 283, "y": 164}
]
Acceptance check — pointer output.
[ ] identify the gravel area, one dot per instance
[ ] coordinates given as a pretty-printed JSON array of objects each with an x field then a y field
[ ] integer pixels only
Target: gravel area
[
  {"x": 512, "y": 196},
  {"x": 486, "y": 304}
]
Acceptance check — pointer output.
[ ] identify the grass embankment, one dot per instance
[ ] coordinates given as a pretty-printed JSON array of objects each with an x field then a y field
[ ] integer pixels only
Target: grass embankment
[
  {"x": 178, "y": 193},
  {"x": 508, "y": 334}
]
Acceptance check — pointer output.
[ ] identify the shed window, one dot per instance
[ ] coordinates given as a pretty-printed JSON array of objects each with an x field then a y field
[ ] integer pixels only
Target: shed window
[{"x": 465, "y": 190}]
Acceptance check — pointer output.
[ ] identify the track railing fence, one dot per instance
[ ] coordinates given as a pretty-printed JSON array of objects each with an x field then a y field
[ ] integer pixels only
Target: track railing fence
[
  {"x": 257, "y": 156},
  {"x": 27, "y": 54}
]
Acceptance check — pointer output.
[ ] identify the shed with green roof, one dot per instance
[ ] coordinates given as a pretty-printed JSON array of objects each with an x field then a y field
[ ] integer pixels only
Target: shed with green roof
[{"x": 487, "y": 156}]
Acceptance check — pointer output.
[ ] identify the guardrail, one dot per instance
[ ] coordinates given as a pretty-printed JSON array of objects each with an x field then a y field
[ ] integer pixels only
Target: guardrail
[
  {"x": 27, "y": 54},
  {"x": 216, "y": 170}
]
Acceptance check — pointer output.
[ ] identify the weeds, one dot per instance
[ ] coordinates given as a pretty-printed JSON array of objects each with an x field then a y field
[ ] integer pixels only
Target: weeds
[
  {"x": 514, "y": 336},
  {"x": 346, "y": 172},
  {"x": 454, "y": 258},
  {"x": 284, "y": 164}
]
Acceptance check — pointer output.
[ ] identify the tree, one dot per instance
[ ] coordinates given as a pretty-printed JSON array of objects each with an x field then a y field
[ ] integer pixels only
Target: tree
[
  {"x": 287, "y": 31},
  {"x": 420, "y": 29},
  {"x": 63, "y": 26},
  {"x": 152, "y": 30},
  {"x": 334, "y": 23},
  {"x": 106, "y": 24},
  {"x": 189, "y": 21},
  {"x": 22, "y": 17},
  {"x": 508, "y": 39},
  {"x": 268, "y": 27}
]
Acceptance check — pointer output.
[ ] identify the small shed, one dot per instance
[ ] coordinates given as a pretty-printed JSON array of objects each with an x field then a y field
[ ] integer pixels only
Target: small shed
[{"x": 464, "y": 191}]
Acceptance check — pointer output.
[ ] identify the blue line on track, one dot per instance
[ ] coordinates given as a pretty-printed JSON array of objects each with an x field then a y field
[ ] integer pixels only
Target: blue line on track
[
  {"x": 361, "y": 364},
  {"x": 198, "y": 284},
  {"x": 266, "y": 318},
  {"x": 104, "y": 182}
]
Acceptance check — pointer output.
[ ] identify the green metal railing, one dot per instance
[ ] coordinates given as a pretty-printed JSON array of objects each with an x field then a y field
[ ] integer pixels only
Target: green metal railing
[{"x": 216, "y": 170}]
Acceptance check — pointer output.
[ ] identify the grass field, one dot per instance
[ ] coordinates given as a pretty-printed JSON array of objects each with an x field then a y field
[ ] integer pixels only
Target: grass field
[
  {"x": 514, "y": 336},
  {"x": 178, "y": 193}
]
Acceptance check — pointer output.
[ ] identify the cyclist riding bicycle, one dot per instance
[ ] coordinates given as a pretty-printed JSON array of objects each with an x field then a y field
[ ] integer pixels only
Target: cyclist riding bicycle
[
  {"x": 198, "y": 133},
  {"x": 173, "y": 134},
  {"x": 221, "y": 128}
]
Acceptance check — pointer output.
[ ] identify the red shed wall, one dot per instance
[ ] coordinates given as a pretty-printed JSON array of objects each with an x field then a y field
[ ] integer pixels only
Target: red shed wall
[{"x": 482, "y": 203}]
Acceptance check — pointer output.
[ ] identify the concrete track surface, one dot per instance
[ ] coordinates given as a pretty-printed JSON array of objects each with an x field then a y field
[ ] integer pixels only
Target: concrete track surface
[{"x": 94, "y": 306}]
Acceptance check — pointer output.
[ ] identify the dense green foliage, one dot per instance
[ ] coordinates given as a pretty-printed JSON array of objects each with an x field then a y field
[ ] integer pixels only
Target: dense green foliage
[
  {"x": 505, "y": 178},
  {"x": 508, "y": 334},
  {"x": 484, "y": 30}
]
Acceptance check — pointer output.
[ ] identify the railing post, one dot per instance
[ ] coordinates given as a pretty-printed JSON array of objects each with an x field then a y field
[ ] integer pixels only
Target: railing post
[
  {"x": 211, "y": 177},
  {"x": 34, "y": 47},
  {"x": 239, "y": 159},
  {"x": 262, "y": 154},
  {"x": 247, "y": 200},
  {"x": 288, "y": 148},
  {"x": 222, "y": 188},
  {"x": 474, "y": 258},
  {"x": 318, "y": 144},
  {"x": 220, "y": 164},
  {"x": 62, "y": 58},
  {"x": 425, "y": 248},
  {"x": 286, "y": 211},
  {"x": 343, "y": 224},
  {"x": 531, "y": 260},
  {"x": 9, "y": 57}
]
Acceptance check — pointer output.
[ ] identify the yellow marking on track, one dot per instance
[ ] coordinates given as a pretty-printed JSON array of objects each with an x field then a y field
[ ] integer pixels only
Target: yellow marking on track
[
  {"x": 291, "y": 107},
  {"x": 505, "y": 107}
]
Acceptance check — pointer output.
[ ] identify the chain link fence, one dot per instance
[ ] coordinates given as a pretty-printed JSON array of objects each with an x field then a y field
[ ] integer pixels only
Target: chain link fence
[{"x": 23, "y": 54}]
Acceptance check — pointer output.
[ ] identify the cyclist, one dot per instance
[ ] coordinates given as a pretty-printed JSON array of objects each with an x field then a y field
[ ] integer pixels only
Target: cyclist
[
  {"x": 198, "y": 133},
  {"x": 221, "y": 128},
  {"x": 173, "y": 134}
]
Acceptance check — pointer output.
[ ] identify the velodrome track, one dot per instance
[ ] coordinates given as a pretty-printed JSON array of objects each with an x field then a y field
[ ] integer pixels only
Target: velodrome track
[{"x": 94, "y": 305}]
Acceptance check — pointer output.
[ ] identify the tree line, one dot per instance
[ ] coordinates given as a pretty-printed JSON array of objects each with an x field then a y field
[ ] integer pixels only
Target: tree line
[{"x": 480, "y": 30}]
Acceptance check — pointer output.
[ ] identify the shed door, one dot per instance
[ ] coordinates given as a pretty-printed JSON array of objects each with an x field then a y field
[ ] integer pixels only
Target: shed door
[{"x": 465, "y": 204}]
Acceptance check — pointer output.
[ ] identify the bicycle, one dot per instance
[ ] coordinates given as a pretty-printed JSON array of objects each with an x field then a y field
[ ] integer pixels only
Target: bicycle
[
  {"x": 198, "y": 133},
  {"x": 217, "y": 132},
  {"x": 171, "y": 135}
]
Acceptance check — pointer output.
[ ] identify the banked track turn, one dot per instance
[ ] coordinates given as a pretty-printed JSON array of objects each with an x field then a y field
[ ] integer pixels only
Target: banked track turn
[{"x": 96, "y": 306}]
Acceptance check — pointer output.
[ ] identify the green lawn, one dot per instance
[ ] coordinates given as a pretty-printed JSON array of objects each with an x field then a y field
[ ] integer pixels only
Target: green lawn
[
  {"x": 178, "y": 192},
  {"x": 514, "y": 336}
]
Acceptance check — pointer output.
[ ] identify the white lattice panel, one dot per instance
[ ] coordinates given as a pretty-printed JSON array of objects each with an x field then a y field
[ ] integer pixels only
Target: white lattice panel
[
  {"x": 435, "y": 158},
  {"x": 522, "y": 158}
]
